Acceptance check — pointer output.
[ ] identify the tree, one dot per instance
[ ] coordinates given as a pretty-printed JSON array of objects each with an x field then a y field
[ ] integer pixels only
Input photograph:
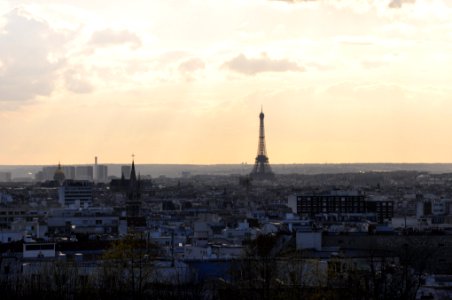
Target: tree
[{"x": 128, "y": 265}]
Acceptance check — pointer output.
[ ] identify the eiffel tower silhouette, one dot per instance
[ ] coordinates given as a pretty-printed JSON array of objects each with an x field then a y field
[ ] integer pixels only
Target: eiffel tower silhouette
[{"x": 261, "y": 169}]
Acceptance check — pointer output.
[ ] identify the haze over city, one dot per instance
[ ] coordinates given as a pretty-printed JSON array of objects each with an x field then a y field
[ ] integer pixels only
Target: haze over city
[{"x": 183, "y": 81}]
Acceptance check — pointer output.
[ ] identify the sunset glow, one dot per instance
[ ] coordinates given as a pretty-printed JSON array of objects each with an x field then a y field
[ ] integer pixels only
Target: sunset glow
[{"x": 184, "y": 81}]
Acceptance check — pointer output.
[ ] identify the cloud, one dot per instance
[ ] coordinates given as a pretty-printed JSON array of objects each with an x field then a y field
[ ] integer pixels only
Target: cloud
[
  {"x": 75, "y": 81},
  {"x": 391, "y": 4},
  {"x": 109, "y": 37},
  {"x": 355, "y": 40},
  {"x": 30, "y": 54},
  {"x": 295, "y": 1},
  {"x": 189, "y": 67},
  {"x": 320, "y": 66},
  {"x": 251, "y": 66},
  {"x": 371, "y": 64},
  {"x": 399, "y": 3}
]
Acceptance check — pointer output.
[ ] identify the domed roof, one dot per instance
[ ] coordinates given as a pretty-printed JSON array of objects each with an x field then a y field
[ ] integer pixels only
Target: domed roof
[{"x": 59, "y": 175}]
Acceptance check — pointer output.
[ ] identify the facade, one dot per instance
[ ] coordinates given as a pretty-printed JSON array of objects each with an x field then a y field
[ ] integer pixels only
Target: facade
[
  {"x": 332, "y": 202},
  {"x": 341, "y": 203},
  {"x": 101, "y": 173},
  {"x": 84, "y": 173},
  {"x": 76, "y": 194},
  {"x": 88, "y": 220},
  {"x": 383, "y": 209},
  {"x": 19, "y": 218},
  {"x": 48, "y": 173},
  {"x": 39, "y": 250},
  {"x": 69, "y": 172}
]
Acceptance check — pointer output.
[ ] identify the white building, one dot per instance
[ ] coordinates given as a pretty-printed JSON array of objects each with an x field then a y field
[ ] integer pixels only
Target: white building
[
  {"x": 75, "y": 194},
  {"x": 91, "y": 220}
]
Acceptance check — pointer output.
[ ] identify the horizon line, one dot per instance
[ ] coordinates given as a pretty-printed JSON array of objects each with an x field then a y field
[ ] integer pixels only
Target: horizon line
[{"x": 232, "y": 164}]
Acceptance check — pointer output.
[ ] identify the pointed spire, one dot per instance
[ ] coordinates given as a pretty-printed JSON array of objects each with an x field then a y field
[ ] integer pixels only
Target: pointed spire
[{"x": 133, "y": 175}]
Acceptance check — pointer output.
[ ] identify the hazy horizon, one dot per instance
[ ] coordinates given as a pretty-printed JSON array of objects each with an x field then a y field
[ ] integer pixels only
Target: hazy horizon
[
  {"x": 225, "y": 164},
  {"x": 176, "y": 170}
]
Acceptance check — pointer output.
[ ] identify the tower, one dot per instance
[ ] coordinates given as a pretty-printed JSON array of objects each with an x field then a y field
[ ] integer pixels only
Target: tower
[
  {"x": 133, "y": 194},
  {"x": 96, "y": 172},
  {"x": 261, "y": 169}
]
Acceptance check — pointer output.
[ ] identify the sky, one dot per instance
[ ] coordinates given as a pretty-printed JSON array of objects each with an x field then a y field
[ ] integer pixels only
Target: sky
[{"x": 171, "y": 81}]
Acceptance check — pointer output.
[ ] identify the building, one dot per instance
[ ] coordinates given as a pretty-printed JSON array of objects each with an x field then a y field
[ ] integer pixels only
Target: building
[
  {"x": 76, "y": 194},
  {"x": 84, "y": 173},
  {"x": 47, "y": 173},
  {"x": 101, "y": 173},
  {"x": 341, "y": 203},
  {"x": 39, "y": 250},
  {"x": 382, "y": 208},
  {"x": 69, "y": 172},
  {"x": 59, "y": 175},
  {"x": 133, "y": 203},
  {"x": 92, "y": 220},
  {"x": 125, "y": 171},
  {"x": 5, "y": 176}
]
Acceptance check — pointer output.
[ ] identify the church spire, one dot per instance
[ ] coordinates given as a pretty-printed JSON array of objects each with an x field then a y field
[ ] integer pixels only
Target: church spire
[
  {"x": 134, "y": 194},
  {"x": 133, "y": 174}
]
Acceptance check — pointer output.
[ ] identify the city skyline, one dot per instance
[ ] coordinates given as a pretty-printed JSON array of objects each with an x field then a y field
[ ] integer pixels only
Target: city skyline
[{"x": 183, "y": 83}]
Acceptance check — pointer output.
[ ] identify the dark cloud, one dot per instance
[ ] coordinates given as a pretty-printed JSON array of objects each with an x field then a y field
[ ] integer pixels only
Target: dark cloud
[
  {"x": 109, "y": 37},
  {"x": 30, "y": 56},
  {"x": 399, "y": 3},
  {"x": 251, "y": 66}
]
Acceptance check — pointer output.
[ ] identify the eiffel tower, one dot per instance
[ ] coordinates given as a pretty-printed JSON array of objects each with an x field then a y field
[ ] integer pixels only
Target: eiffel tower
[{"x": 261, "y": 169}]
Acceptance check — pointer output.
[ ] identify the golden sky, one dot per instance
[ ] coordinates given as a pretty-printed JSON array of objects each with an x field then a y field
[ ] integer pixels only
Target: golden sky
[{"x": 183, "y": 81}]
